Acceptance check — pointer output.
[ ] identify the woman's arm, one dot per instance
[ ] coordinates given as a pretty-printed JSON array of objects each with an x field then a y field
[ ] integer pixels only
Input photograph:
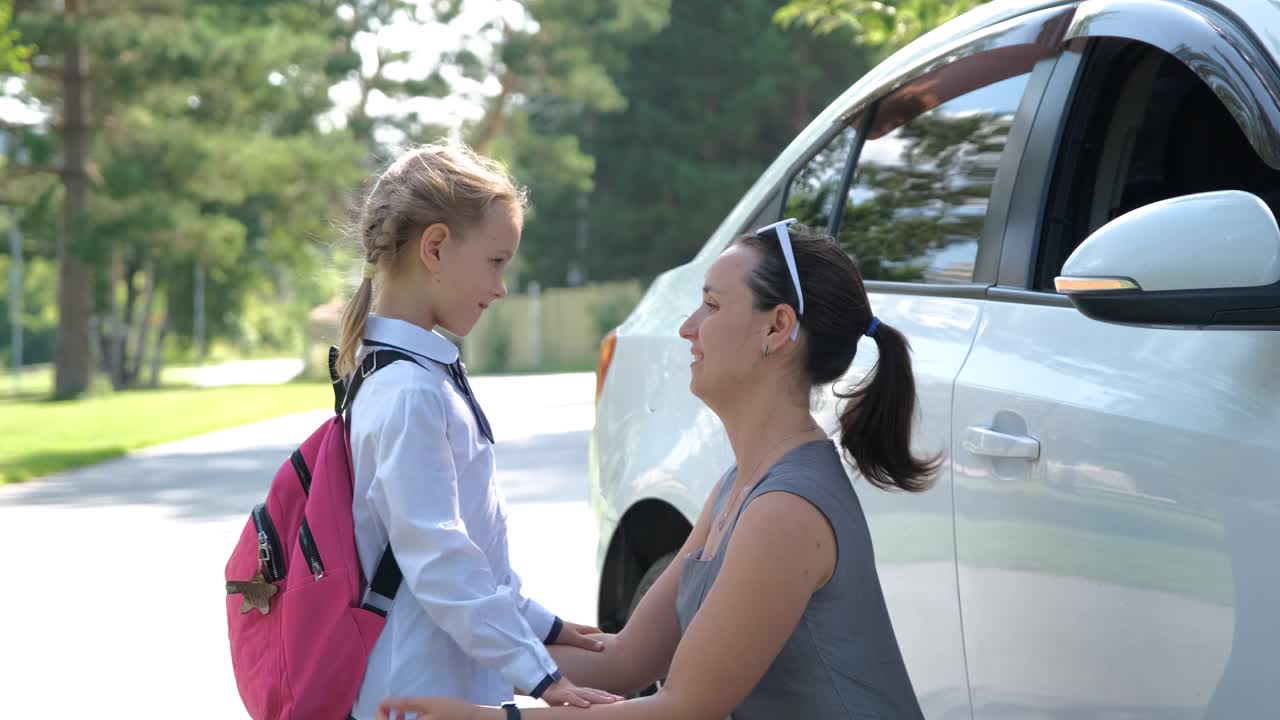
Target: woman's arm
[
  {"x": 781, "y": 552},
  {"x": 606, "y": 669},
  {"x": 641, "y": 653}
]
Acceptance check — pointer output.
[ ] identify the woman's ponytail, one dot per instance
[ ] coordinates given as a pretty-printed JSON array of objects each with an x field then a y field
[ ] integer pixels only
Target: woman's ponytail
[{"x": 876, "y": 423}]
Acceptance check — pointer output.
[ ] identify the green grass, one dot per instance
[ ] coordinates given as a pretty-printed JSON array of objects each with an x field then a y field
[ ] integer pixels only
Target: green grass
[
  {"x": 36, "y": 381},
  {"x": 39, "y": 437}
]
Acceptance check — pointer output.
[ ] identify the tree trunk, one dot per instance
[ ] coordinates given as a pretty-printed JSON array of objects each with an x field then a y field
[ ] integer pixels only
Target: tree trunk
[
  {"x": 157, "y": 354},
  {"x": 144, "y": 326},
  {"x": 75, "y": 278},
  {"x": 116, "y": 332},
  {"x": 800, "y": 99},
  {"x": 494, "y": 120},
  {"x": 129, "y": 319}
]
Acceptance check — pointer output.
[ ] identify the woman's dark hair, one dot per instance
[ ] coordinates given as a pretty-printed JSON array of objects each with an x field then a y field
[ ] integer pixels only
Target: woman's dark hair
[{"x": 875, "y": 424}]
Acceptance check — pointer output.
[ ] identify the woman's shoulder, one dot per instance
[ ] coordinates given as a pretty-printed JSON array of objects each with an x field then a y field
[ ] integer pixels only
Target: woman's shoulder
[
  {"x": 814, "y": 471},
  {"x": 813, "y": 464}
]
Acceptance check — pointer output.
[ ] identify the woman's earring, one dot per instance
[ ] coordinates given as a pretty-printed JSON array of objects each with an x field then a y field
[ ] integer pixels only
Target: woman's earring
[{"x": 766, "y": 349}]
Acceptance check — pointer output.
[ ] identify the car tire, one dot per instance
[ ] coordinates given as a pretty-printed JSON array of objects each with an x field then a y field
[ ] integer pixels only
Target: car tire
[{"x": 646, "y": 583}]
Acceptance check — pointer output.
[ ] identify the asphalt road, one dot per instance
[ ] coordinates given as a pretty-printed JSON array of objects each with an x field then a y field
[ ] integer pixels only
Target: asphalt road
[{"x": 113, "y": 602}]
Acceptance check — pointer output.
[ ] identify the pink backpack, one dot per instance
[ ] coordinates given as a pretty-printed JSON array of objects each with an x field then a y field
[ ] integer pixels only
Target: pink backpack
[{"x": 300, "y": 618}]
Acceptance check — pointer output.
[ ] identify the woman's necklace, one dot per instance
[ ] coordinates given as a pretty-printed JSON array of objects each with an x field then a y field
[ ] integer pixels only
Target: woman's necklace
[{"x": 724, "y": 516}]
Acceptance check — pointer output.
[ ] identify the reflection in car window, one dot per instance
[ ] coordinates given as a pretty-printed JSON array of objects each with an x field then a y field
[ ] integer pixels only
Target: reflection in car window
[
  {"x": 811, "y": 197},
  {"x": 1145, "y": 128},
  {"x": 916, "y": 207}
]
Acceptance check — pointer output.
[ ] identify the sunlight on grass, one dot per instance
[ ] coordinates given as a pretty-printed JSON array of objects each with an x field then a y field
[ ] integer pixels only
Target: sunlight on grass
[{"x": 39, "y": 437}]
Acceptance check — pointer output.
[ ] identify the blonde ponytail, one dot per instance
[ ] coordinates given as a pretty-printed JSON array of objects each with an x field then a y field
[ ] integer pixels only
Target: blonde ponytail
[{"x": 353, "y": 321}]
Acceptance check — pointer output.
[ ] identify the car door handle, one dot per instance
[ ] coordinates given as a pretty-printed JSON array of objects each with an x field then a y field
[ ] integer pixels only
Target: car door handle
[{"x": 991, "y": 443}]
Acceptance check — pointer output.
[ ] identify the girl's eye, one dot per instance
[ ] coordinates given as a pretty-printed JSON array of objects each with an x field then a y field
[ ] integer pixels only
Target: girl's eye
[
  {"x": 708, "y": 304},
  {"x": 497, "y": 261}
]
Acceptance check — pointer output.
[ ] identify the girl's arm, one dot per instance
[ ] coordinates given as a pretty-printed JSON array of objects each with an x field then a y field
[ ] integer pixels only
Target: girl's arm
[
  {"x": 545, "y": 624},
  {"x": 415, "y": 493}
]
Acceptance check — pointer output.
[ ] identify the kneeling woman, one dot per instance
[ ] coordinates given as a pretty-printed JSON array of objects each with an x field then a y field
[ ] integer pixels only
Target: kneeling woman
[{"x": 774, "y": 607}]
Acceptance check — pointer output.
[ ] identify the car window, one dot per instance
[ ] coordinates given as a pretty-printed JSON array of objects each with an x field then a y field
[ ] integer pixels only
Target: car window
[
  {"x": 814, "y": 190},
  {"x": 1143, "y": 127},
  {"x": 918, "y": 201}
]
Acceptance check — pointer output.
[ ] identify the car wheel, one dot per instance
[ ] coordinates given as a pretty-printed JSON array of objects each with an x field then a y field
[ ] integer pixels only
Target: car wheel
[{"x": 646, "y": 582}]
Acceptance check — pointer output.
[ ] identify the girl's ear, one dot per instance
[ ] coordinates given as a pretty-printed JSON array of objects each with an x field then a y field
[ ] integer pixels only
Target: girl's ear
[{"x": 430, "y": 243}]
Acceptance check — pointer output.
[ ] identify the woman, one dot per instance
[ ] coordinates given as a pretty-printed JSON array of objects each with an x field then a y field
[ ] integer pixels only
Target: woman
[{"x": 775, "y": 609}]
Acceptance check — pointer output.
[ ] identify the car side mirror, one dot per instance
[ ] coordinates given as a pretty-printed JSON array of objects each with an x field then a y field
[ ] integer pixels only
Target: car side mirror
[{"x": 1205, "y": 260}]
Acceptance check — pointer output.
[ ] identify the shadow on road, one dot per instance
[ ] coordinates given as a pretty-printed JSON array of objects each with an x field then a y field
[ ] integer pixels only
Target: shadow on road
[
  {"x": 221, "y": 484},
  {"x": 192, "y": 486}
]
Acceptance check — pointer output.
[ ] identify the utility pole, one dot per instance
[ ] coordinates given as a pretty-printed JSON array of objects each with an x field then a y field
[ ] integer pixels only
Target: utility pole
[
  {"x": 199, "y": 311},
  {"x": 15, "y": 301}
]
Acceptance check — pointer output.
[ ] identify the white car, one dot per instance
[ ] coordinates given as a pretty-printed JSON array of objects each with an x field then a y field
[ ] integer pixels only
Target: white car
[{"x": 1104, "y": 540}]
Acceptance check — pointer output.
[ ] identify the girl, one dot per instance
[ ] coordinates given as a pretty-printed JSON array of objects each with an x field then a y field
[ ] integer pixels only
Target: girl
[
  {"x": 775, "y": 609},
  {"x": 438, "y": 229}
]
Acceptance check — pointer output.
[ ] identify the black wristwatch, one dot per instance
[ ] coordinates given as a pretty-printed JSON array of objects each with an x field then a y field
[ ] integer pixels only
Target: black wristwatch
[{"x": 513, "y": 711}]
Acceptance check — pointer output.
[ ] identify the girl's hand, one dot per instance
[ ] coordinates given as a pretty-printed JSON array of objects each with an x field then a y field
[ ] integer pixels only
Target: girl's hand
[
  {"x": 432, "y": 708},
  {"x": 575, "y": 635}
]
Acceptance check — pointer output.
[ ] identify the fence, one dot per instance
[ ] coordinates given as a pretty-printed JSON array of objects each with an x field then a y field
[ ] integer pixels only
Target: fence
[{"x": 555, "y": 330}]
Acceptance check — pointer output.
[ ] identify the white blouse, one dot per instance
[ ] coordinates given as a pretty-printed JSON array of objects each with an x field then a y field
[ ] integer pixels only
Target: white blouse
[{"x": 424, "y": 477}]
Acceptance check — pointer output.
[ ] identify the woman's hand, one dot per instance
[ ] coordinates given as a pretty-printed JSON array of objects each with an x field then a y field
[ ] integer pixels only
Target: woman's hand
[
  {"x": 564, "y": 692},
  {"x": 575, "y": 635},
  {"x": 433, "y": 708}
]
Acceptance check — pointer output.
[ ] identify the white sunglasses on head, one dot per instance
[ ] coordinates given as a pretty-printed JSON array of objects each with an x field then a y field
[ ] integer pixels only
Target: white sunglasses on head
[{"x": 784, "y": 239}]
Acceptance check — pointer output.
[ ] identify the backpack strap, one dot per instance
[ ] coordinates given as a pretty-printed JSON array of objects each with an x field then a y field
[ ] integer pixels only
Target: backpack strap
[
  {"x": 339, "y": 386},
  {"x": 386, "y": 579},
  {"x": 372, "y": 363}
]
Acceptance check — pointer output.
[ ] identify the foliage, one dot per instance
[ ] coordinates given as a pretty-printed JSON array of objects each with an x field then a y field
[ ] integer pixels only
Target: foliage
[
  {"x": 885, "y": 26},
  {"x": 13, "y": 52},
  {"x": 204, "y": 152}
]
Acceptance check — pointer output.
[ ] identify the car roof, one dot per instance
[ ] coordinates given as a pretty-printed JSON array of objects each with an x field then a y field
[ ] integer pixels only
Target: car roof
[{"x": 1261, "y": 17}]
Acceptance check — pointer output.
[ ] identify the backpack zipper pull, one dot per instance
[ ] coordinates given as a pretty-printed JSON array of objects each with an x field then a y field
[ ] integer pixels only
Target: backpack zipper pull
[
  {"x": 264, "y": 551},
  {"x": 316, "y": 570}
]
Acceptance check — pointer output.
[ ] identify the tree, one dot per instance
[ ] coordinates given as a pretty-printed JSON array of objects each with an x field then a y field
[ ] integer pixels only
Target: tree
[
  {"x": 880, "y": 25},
  {"x": 192, "y": 142},
  {"x": 712, "y": 100},
  {"x": 557, "y": 70},
  {"x": 386, "y": 77},
  {"x": 13, "y": 52}
]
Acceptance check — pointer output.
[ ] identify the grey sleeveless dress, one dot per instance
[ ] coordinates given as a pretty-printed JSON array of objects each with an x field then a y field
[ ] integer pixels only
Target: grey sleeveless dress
[{"x": 843, "y": 660}]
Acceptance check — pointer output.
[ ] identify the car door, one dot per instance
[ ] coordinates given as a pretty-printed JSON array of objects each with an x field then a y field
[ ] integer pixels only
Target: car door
[
  {"x": 921, "y": 210},
  {"x": 1115, "y": 499}
]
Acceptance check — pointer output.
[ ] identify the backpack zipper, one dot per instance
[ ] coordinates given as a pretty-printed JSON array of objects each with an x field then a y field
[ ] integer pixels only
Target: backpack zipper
[
  {"x": 300, "y": 467},
  {"x": 310, "y": 552},
  {"x": 306, "y": 541},
  {"x": 270, "y": 556}
]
